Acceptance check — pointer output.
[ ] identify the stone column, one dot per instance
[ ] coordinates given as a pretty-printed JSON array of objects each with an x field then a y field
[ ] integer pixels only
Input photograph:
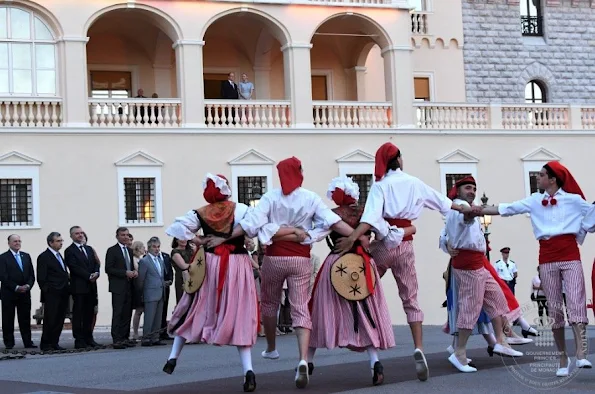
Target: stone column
[
  {"x": 398, "y": 81},
  {"x": 190, "y": 82},
  {"x": 298, "y": 83},
  {"x": 74, "y": 81},
  {"x": 162, "y": 74},
  {"x": 262, "y": 83},
  {"x": 360, "y": 82}
]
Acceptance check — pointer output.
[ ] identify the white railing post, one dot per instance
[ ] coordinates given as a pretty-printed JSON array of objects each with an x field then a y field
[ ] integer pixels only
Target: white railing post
[
  {"x": 495, "y": 116},
  {"x": 575, "y": 114}
]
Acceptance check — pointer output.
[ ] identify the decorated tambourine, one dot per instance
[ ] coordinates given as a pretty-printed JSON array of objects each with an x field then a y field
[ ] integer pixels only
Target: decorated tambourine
[
  {"x": 196, "y": 272},
  {"x": 349, "y": 279}
]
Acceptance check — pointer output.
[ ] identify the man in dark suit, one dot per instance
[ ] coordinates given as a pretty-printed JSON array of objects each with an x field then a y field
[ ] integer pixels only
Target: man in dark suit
[
  {"x": 169, "y": 279},
  {"x": 229, "y": 89},
  {"x": 84, "y": 271},
  {"x": 120, "y": 271},
  {"x": 17, "y": 277},
  {"x": 52, "y": 276}
]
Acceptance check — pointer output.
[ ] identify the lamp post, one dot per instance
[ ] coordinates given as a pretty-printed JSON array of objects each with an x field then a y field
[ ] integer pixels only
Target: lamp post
[{"x": 486, "y": 221}]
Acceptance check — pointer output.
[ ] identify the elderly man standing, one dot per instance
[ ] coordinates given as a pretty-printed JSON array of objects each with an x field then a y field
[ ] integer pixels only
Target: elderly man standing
[{"x": 151, "y": 281}]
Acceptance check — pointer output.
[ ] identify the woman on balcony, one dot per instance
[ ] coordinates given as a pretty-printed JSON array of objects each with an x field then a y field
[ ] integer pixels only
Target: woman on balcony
[{"x": 246, "y": 88}]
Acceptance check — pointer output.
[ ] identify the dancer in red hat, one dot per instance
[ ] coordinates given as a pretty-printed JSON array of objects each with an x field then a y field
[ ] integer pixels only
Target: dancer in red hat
[
  {"x": 288, "y": 220},
  {"x": 395, "y": 200},
  {"x": 557, "y": 218},
  {"x": 224, "y": 311}
]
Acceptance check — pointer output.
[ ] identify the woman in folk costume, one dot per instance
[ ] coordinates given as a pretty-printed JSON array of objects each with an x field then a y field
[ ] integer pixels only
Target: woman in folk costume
[
  {"x": 336, "y": 321},
  {"x": 557, "y": 217},
  {"x": 224, "y": 310}
]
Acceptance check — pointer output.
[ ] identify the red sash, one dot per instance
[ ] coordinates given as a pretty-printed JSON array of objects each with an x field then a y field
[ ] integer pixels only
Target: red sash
[
  {"x": 288, "y": 249},
  {"x": 402, "y": 223},
  {"x": 367, "y": 268},
  {"x": 558, "y": 249},
  {"x": 469, "y": 260},
  {"x": 223, "y": 252}
]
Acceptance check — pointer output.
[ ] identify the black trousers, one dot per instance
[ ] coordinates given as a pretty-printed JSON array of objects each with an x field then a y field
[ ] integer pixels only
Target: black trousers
[
  {"x": 22, "y": 304},
  {"x": 164, "y": 315},
  {"x": 83, "y": 310},
  {"x": 122, "y": 314},
  {"x": 54, "y": 313}
]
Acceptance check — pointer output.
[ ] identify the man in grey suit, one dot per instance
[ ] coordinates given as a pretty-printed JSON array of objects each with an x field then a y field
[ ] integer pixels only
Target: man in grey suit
[{"x": 151, "y": 281}]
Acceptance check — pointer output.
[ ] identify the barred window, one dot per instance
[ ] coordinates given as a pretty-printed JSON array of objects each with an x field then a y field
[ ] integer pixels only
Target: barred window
[
  {"x": 533, "y": 177},
  {"x": 364, "y": 181},
  {"x": 451, "y": 179},
  {"x": 251, "y": 189},
  {"x": 139, "y": 200},
  {"x": 16, "y": 202}
]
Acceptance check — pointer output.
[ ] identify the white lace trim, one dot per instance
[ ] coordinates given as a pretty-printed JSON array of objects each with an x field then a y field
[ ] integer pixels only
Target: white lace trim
[
  {"x": 220, "y": 184},
  {"x": 346, "y": 184}
]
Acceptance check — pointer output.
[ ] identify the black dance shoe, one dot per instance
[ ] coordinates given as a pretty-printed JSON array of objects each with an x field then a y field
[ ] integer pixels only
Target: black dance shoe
[
  {"x": 527, "y": 333},
  {"x": 491, "y": 351},
  {"x": 169, "y": 366},
  {"x": 378, "y": 378},
  {"x": 249, "y": 382}
]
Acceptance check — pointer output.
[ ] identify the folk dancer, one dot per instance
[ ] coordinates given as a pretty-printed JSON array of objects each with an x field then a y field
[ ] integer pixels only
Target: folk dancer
[
  {"x": 589, "y": 226},
  {"x": 288, "y": 221},
  {"x": 224, "y": 310},
  {"x": 337, "y": 321},
  {"x": 557, "y": 216},
  {"x": 476, "y": 285},
  {"x": 396, "y": 199}
]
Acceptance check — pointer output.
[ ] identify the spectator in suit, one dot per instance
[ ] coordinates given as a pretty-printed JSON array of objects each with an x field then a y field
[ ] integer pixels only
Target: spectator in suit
[
  {"x": 17, "y": 278},
  {"x": 121, "y": 273},
  {"x": 229, "y": 89},
  {"x": 53, "y": 279},
  {"x": 151, "y": 279},
  {"x": 96, "y": 309},
  {"x": 84, "y": 271},
  {"x": 169, "y": 280}
]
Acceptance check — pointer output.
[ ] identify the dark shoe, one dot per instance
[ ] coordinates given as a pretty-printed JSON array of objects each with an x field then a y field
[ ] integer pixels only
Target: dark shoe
[
  {"x": 146, "y": 343},
  {"x": 119, "y": 346},
  {"x": 129, "y": 343},
  {"x": 46, "y": 348},
  {"x": 92, "y": 343},
  {"x": 58, "y": 347},
  {"x": 166, "y": 338},
  {"x": 170, "y": 365},
  {"x": 491, "y": 351},
  {"x": 80, "y": 345},
  {"x": 249, "y": 382},
  {"x": 9, "y": 347},
  {"x": 30, "y": 346},
  {"x": 159, "y": 343},
  {"x": 378, "y": 378},
  {"x": 527, "y": 333}
]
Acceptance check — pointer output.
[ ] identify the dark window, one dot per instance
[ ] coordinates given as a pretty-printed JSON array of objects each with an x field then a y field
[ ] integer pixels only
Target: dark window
[
  {"x": 451, "y": 179},
  {"x": 16, "y": 202},
  {"x": 535, "y": 92},
  {"x": 364, "y": 181},
  {"x": 533, "y": 177},
  {"x": 531, "y": 18},
  {"x": 139, "y": 200},
  {"x": 251, "y": 189}
]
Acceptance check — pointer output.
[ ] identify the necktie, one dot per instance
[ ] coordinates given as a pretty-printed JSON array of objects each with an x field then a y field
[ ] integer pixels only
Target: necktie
[
  {"x": 127, "y": 258},
  {"x": 158, "y": 265},
  {"x": 84, "y": 251},
  {"x": 59, "y": 257},
  {"x": 19, "y": 261}
]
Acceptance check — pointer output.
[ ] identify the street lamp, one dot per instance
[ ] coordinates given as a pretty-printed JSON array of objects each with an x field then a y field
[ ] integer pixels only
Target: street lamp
[{"x": 486, "y": 221}]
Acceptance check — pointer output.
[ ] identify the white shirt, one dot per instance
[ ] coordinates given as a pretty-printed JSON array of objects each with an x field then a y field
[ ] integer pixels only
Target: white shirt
[
  {"x": 563, "y": 218},
  {"x": 505, "y": 273},
  {"x": 58, "y": 257},
  {"x": 460, "y": 234},
  {"x": 185, "y": 227},
  {"x": 301, "y": 209},
  {"x": 400, "y": 196},
  {"x": 536, "y": 282},
  {"x": 588, "y": 224}
]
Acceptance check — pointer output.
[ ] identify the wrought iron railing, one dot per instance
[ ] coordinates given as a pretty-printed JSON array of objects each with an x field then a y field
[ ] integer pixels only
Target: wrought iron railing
[{"x": 532, "y": 26}]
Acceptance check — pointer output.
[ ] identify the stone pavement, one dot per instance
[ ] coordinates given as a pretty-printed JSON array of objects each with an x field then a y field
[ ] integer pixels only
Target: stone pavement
[{"x": 210, "y": 369}]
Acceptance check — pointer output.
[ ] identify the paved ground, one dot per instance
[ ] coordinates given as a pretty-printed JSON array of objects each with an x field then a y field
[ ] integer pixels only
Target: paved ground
[{"x": 209, "y": 369}]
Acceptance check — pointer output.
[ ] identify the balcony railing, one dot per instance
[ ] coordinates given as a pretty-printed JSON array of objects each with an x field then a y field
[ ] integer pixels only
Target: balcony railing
[
  {"x": 247, "y": 114},
  {"x": 532, "y": 26},
  {"x": 133, "y": 112},
  {"x": 30, "y": 112},
  {"x": 349, "y": 114},
  {"x": 419, "y": 23},
  {"x": 347, "y": 3}
]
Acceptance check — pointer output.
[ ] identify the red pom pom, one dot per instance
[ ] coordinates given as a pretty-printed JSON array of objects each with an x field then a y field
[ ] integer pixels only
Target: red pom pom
[
  {"x": 553, "y": 201},
  {"x": 544, "y": 203}
]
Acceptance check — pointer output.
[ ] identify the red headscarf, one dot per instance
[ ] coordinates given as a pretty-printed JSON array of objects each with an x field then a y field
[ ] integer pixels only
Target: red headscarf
[
  {"x": 290, "y": 174},
  {"x": 569, "y": 184},
  {"x": 212, "y": 193},
  {"x": 340, "y": 198},
  {"x": 384, "y": 154},
  {"x": 468, "y": 180}
]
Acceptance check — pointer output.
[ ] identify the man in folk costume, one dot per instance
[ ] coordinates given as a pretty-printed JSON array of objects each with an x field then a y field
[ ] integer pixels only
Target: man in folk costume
[
  {"x": 288, "y": 221},
  {"x": 477, "y": 286},
  {"x": 339, "y": 320},
  {"x": 224, "y": 311},
  {"x": 396, "y": 199},
  {"x": 557, "y": 216}
]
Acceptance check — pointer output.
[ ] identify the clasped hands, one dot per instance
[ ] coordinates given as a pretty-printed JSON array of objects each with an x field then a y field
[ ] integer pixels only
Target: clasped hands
[{"x": 23, "y": 289}]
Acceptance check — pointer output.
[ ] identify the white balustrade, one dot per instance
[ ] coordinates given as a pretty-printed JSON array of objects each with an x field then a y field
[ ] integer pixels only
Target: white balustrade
[
  {"x": 419, "y": 23},
  {"x": 538, "y": 116},
  {"x": 350, "y": 114},
  {"x": 247, "y": 114},
  {"x": 451, "y": 116},
  {"x": 133, "y": 112},
  {"x": 588, "y": 118},
  {"x": 30, "y": 112}
]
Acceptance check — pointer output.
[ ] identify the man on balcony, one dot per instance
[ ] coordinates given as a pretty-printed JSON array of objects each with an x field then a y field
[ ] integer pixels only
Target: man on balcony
[{"x": 229, "y": 91}]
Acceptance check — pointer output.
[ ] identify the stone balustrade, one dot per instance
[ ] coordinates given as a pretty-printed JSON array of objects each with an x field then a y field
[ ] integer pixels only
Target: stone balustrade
[
  {"x": 419, "y": 22},
  {"x": 247, "y": 114},
  {"x": 30, "y": 112},
  {"x": 133, "y": 112},
  {"x": 351, "y": 114}
]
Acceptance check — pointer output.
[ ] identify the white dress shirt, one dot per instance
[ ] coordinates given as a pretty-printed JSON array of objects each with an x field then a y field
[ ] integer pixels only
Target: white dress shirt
[
  {"x": 505, "y": 273},
  {"x": 58, "y": 257},
  {"x": 185, "y": 227},
  {"x": 551, "y": 220},
  {"x": 461, "y": 234},
  {"x": 399, "y": 196},
  {"x": 300, "y": 209},
  {"x": 588, "y": 224}
]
